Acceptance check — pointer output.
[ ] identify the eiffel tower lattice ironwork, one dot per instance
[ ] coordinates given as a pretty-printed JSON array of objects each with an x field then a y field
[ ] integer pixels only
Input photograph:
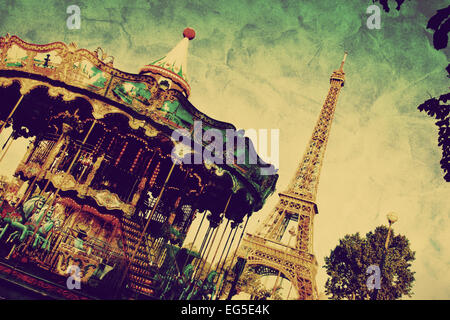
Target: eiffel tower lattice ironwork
[{"x": 263, "y": 252}]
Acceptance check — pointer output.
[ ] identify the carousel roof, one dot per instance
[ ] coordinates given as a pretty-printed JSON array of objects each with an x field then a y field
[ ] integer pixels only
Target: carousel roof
[
  {"x": 175, "y": 61},
  {"x": 71, "y": 72}
]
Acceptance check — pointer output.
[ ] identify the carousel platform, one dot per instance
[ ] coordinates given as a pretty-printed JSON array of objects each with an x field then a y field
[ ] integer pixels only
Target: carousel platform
[{"x": 18, "y": 284}]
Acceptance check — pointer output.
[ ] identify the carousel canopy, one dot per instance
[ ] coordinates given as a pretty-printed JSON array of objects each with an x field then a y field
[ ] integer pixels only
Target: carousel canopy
[
  {"x": 156, "y": 100},
  {"x": 174, "y": 64}
]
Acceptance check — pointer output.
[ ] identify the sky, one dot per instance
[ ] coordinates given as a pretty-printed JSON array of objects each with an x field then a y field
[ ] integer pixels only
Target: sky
[{"x": 266, "y": 65}]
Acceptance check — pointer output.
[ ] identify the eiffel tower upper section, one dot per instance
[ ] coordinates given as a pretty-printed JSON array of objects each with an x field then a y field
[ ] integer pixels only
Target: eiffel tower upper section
[
  {"x": 298, "y": 202},
  {"x": 305, "y": 182},
  {"x": 265, "y": 252}
]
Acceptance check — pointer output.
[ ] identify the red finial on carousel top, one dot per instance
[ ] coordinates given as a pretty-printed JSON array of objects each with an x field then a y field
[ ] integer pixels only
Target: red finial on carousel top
[{"x": 189, "y": 33}]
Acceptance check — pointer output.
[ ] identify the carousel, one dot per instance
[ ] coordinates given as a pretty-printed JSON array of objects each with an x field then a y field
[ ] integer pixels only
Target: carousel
[{"x": 102, "y": 201}]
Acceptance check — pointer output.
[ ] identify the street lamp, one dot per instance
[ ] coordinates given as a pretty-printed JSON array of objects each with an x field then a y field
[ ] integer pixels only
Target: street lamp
[{"x": 392, "y": 218}]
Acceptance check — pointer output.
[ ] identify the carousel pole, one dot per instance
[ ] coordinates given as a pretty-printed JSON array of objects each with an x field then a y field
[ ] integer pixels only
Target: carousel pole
[
  {"x": 213, "y": 236},
  {"x": 146, "y": 225},
  {"x": 200, "y": 251},
  {"x": 218, "y": 245},
  {"x": 240, "y": 238},
  {"x": 220, "y": 260},
  {"x": 229, "y": 248},
  {"x": 56, "y": 165},
  {"x": 1, "y": 158},
  {"x": 223, "y": 264},
  {"x": 195, "y": 238},
  {"x": 198, "y": 230},
  {"x": 59, "y": 238},
  {"x": 62, "y": 183},
  {"x": 8, "y": 144},
  {"x": 73, "y": 160},
  {"x": 235, "y": 252},
  {"x": 205, "y": 244},
  {"x": 11, "y": 113},
  {"x": 143, "y": 182},
  {"x": 224, "y": 248},
  {"x": 205, "y": 238},
  {"x": 31, "y": 186},
  {"x": 65, "y": 129},
  {"x": 221, "y": 238}
]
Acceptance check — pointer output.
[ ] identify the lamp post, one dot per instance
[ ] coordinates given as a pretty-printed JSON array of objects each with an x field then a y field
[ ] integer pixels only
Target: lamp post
[{"x": 392, "y": 218}]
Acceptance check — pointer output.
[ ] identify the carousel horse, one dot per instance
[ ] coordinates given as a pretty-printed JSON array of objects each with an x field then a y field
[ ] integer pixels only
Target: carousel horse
[
  {"x": 33, "y": 211},
  {"x": 195, "y": 291},
  {"x": 166, "y": 283},
  {"x": 188, "y": 271},
  {"x": 14, "y": 218},
  {"x": 179, "y": 287},
  {"x": 208, "y": 288},
  {"x": 8, "y": 216}
]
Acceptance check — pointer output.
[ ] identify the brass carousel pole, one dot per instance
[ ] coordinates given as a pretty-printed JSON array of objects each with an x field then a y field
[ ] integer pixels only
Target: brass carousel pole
[
  {"x": 221, "y": 238},
  {"x": 56, "y": 166},
  {"x": 206, "y": 240},
  {"x": 8, "y": 144},
  {"x": 11, "y": 113},
  {"x": 220, "y": 260},
  {"x": 62, "y": 183},
  {"x": 196, "y": 234},
  {"x": 237, "y": 247},
  {"x": 224, "y": 248},
  {"x": 209, "y": 250},
  {"x": 42, "y": 168},
  {"x": 224, "y": 261}
]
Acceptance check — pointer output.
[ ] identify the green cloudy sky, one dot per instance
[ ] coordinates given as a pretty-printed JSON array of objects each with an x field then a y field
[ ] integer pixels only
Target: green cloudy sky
[{"x": 266, "y": 64}]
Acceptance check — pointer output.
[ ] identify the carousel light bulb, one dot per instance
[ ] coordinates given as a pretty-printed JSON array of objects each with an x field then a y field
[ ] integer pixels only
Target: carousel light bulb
[{"x": 181, "y": 150}]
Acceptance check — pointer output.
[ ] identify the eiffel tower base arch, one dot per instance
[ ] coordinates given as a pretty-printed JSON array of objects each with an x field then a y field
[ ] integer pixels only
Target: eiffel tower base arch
[{"x": 298, "y": 267}]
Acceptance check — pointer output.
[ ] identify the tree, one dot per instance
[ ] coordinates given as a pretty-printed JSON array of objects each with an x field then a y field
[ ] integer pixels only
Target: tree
[
  {"x": 385, "y": 4},
  {"x": 347, "y": 264},
  {"x": 439, "y": 23},
  {"x": 250, "y": 283},
  {"x": 440, "y": 110},
  {"x": 437, "y": 107}
]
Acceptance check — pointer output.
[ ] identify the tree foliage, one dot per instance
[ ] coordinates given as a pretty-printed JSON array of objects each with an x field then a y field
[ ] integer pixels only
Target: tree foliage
[
  {"x": 347, "y": 264},
  {"x": 385, "y": 4},
  {"x": 250, "y": 283},
  {"x": 439, "y": 108},
  {"x": 439, "y": 23}
]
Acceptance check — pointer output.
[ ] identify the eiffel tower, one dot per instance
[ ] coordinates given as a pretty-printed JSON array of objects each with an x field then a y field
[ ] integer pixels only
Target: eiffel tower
[{"x": 264, "y": 252}]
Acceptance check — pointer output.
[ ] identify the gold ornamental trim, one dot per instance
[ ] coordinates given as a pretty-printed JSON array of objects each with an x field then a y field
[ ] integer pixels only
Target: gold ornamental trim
[
  {"x": 111, "y": 201},
  {"x": 66, "y": 182},
  {"x": 100, "y": 109}
]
